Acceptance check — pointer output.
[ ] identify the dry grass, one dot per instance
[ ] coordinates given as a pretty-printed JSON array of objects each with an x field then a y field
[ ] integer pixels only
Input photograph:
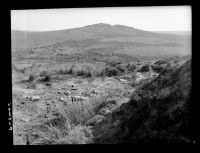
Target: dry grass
[
  {"x": 80, "y": 113},
  {"x": 95, "y": 69},
  {"x": 65, "y": 68},
  {"x": 79, "y": 135},
  {"x": 76, "y": 69},
  {"x": 58, "y": 130},
  {"x": 67, "y": 124}
]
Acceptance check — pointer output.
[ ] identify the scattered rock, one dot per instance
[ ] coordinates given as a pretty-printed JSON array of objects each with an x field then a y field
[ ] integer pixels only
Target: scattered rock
[
  {"x": 35, "y": 98},
  {"x": 67, "y": 93},
  {"x": 62, "y": 99},
  {"x": 122, "y": 80}
]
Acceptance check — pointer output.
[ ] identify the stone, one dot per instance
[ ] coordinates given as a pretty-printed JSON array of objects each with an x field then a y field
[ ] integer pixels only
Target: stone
[
  {"x": 67, "y": 93},
  {"x": 62, "y": 99},
  {"x": 35, "y": 98},
  {"x": 122, "y": 80}
]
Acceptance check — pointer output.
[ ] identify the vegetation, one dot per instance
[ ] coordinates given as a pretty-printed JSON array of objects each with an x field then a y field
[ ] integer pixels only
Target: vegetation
[
  {"x": 101, "y": 67},
  {"x": 67, "y": 124},
  {"x": 159, "y": 111}
]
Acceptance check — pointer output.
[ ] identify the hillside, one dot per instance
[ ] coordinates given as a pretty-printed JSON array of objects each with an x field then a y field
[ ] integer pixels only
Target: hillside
[
  {"x": 159, "y": 111},
  {"x": 103, "y": 38}
]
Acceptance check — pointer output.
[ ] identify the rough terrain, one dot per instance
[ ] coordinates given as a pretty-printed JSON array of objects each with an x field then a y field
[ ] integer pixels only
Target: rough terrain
[{"x": 77, "y": 86}]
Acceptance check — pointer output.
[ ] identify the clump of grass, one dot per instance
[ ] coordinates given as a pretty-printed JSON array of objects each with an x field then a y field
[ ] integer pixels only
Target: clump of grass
[
  {"x": 78, "y": 113},
  {"x": 74, "y": 129},
  {"x": 67, "y": 125},
  {"x": 58, "y": 130},
  {"x": 100, "y": 69},
  {"x": 83, "y": 69},
  {"x": 65, "y": 68},
  {"x": 96, "y": 69},
  {"x": 79, "y": 135},
  {"x": 96, "y": 102}
]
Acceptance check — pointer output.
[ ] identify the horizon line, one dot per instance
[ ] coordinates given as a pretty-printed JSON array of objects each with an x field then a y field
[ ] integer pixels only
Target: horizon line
[{"x": 99, "y": 24}]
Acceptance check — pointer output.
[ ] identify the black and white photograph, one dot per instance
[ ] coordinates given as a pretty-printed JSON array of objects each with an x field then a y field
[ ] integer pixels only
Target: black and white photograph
[{"x": 102, "y": 75}]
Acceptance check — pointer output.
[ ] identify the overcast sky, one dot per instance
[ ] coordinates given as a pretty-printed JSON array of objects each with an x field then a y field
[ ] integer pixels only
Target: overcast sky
[{"x": 173, "y": 18}]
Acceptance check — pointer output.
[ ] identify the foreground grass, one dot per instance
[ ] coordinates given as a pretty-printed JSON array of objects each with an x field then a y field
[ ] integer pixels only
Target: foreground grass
[{"x": 64, "y": 125}]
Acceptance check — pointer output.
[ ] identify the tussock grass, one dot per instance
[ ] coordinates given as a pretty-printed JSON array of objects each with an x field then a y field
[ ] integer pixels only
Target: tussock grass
[
  {"x": 67, "y": 125},
  {"x": 79, "y": 135},
  {"x": 82, "y": 69},
  {"x": 65, "y": 68},
  {"x": 76, "y": 69},
  {"x": 58, "y": 130},
  {"x": 96, "y": 69},
  {"x": 80, "y": 113}
]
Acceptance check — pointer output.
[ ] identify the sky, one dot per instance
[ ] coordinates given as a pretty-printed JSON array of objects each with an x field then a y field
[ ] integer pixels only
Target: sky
[{"x": 161, "y": 18}]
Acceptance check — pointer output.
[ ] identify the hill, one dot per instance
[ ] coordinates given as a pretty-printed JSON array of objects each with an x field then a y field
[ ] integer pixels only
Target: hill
[{"x": 103, "y": 38}]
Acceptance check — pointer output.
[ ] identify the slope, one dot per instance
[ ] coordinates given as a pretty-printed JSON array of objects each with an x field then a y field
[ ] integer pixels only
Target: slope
[
  {"x": 105, "y": 38},
  {"x": 159, "y": 111}
]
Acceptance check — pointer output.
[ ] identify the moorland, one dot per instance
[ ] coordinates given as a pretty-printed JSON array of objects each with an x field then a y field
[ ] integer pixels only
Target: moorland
[{"x": 100, "y": 84}]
